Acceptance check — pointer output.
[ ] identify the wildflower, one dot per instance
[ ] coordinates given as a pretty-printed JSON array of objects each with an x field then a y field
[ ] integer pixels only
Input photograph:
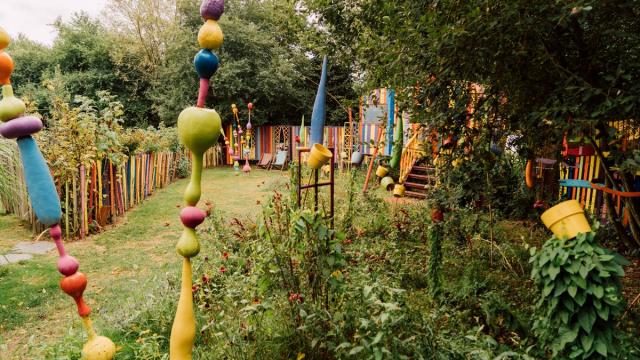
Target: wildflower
[
  {"x": 296, "y": 297},
  {"x": 225, "y": 255},
  {"x": 223, "y": 269},
  {"x": 300, "y": 356},
  {"x": 256, "y": 301},
  {"x": 205, "y": 279},
  {"x": 195, "y": 288},
  {"x": 336, "y": 274}
]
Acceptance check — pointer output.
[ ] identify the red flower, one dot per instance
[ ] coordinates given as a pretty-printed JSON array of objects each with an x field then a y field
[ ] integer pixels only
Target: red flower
[
  {"x": 205, "y": 279},
  {"x": 293, "y": 297},
  {"x": 225, "y": 255},
  {"x": 223, "y": 269},
  {"x": 195, "y": 288}
]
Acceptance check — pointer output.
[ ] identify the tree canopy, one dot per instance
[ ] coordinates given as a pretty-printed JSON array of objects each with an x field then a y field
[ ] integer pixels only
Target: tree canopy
[{"x": 143, "y": 53}]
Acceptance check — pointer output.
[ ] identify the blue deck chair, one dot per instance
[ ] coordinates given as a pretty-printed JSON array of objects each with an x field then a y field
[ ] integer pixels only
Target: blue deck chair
[{"x": 281, "y": 160}]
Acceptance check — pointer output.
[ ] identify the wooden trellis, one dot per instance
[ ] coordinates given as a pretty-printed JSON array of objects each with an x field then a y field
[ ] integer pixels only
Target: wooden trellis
[{"x": 282, "y": 137}]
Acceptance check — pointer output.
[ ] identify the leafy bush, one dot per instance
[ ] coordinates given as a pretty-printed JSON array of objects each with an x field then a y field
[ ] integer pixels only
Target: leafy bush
[
  {"x": 183, "y": 169},
  {"x": 581, "y": 296}
]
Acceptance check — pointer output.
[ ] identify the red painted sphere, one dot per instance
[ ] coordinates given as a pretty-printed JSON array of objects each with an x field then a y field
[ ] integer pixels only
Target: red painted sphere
[
  {"x": 74, "y": 285},
  {"x": 68, "y": 265},
  {"x": 250, "y": 106},
  {"x": 191, "y": 216}
]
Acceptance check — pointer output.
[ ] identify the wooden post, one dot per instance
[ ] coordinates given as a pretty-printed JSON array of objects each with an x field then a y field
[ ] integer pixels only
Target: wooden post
[
  {"x": 111, "y": 192},
  {"x": 66, "y": 209},
  {"x": 83, "y": 204},
  {"x": 373, "y": 158}
]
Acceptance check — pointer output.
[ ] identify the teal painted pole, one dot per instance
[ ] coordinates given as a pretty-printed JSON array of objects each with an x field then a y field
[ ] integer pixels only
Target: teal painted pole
[{"x": 391, "y": 111}]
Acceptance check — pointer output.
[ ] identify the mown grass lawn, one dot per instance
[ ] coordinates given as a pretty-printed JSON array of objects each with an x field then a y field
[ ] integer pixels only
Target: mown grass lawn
[{"x": 122, "y": 263}]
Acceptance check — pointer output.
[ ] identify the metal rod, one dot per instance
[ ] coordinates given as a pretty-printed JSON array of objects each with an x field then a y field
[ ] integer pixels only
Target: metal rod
[
  {"x": 299, "y": 178},
  {"x": 315, "y": 185},
  {"x": 315, "y": 188},
  {"x": 332, "y": 184}
]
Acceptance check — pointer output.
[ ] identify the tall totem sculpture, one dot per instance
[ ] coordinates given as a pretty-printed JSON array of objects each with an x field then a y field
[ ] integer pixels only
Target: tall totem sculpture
[
  {"x": 198, "y": 129},
  {"x": 45, "y": 200}
]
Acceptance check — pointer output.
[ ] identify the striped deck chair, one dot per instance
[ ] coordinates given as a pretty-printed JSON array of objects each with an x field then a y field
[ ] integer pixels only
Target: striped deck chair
[
  {"x": 281, "y": 160},
  {"x": 265, "y": 160}
]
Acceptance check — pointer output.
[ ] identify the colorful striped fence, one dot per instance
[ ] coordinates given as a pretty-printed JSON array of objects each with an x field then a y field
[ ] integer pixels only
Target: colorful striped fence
[
  {"x": 99, "y": 193},
  {"x": 264, "y": 138},
  {"x": 589, "y": 168}
]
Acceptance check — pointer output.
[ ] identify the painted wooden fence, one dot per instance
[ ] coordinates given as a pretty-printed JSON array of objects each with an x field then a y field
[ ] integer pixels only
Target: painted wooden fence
[
  {"x": 267, "y": 139},
  {"x": 99, "y": 193}
]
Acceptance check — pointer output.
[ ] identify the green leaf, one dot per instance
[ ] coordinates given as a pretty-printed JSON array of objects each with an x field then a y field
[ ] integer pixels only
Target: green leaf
[
  {"x": 553, "y": 271},
  {"x": 568, "y": 335},
  {"x": 572, "y": 290},
  {"x": 605, "y": 258},
  {"x": 356, "y": 350},
  {"x": 598, "y": 291},
  {"x": 587, "y": 342},
  {"x": 377, "y": 354},
  {"x": 580, "y": 281},
  {"x": 586, "y": 319},
  {"x": 377, "y": 338},
  {"x": 573, "y": 267},
  {"x": 601, "y": 348},
  {"x": 603, "y": 312},
  {"x": 559, "y": 289},
  {"x": 584, "y": 271}
]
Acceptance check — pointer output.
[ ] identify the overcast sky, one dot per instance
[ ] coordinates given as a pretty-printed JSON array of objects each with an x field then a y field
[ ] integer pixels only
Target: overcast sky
[{"x": 34, "y": 17}]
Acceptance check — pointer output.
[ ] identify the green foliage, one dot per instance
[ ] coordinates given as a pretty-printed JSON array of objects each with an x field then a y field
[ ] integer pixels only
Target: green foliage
[
  {"x": 307, "y": 252},
  {"x": 580, "y": 296},
  {"x": 183, "y": 168},
  {"x": 143, "y": 54},
  {"x": 435, "y": 262},
  {"x": 81, "y": 132}
]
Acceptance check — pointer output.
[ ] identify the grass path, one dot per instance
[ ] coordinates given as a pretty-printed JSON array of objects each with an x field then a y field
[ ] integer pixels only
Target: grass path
[
  {"x": 121, "y": 263},
  {"x": 12, "y": 231}
]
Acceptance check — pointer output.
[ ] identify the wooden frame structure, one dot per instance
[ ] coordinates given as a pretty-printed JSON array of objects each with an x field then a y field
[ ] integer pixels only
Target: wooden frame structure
[{"x": 316, "y": 185}]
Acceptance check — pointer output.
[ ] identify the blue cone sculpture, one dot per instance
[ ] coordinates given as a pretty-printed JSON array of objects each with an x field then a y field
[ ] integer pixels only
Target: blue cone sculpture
[{"x": 319, "y": 110}]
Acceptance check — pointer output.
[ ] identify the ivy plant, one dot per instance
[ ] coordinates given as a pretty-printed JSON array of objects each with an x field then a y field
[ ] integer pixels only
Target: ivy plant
[{"x": 580, "y": 296}]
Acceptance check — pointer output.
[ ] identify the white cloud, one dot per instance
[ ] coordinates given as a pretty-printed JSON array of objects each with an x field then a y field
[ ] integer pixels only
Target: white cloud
[{"x": 34, "y": 17}]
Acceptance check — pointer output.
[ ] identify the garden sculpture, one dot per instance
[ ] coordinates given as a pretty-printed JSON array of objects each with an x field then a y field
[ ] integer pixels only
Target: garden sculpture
[
  {"x": 319, "y": 154},
  {"x": 302, "y": 137},
  {"x": 398, "y": 144},
  {"x": 247, "y": 149},
  {"x": 198, "y": 128},
  {"x": 319, "y": 109},
  {"x": 45, "y": 200}
]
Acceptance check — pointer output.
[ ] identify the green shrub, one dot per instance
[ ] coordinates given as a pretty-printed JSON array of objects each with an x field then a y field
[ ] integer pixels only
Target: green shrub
[
  {"x": 183, "y": 169},
  {"x": 581, "y": 296}
]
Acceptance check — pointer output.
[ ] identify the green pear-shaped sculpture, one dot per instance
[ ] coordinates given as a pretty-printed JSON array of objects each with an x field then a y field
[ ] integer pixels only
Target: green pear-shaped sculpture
[{"x": 199, "y": 128}]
